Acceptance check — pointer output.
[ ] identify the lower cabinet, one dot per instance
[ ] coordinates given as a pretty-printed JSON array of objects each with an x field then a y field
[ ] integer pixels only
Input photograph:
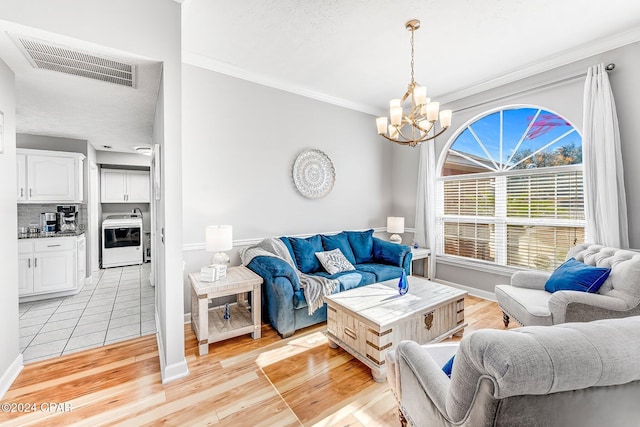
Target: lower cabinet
[{"x": 50, "y": 265}]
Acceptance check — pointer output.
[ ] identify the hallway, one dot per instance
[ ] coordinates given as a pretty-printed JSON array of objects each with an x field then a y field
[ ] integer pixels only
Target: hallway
[{"x": 116, "y": 305}]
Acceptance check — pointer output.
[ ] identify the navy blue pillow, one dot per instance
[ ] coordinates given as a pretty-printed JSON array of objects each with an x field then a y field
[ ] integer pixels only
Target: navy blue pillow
[
  {"x": 339, "y": 241},
  {"x": 362, "y": 245},
  {"x": 305, "y": 253},
  {"x": 448, "y": 367},
  {"x": 574, "y": 275}
]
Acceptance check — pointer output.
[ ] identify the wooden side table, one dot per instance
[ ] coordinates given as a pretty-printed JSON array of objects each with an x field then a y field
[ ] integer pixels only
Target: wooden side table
[
  {"x": 423, "y": 254},
  {"x": 209, "y": 325}
]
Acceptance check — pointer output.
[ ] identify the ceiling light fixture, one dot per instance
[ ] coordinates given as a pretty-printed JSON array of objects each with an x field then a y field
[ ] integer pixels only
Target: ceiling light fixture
[{"x": 421, "y": 116}]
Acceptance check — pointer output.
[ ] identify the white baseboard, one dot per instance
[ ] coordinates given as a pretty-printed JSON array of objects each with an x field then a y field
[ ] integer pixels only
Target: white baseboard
[
  {"x": 187, "y": 318},
  {"x": 472, "y": 291},
  {"x": 10, "y": 375},
  {"x": 173, "y": 371}
]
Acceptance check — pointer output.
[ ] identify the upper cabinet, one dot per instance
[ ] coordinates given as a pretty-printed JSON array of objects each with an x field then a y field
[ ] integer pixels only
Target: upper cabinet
[
  {"x": 124, "y": 186},
  {"x": 49, "y": 176}
]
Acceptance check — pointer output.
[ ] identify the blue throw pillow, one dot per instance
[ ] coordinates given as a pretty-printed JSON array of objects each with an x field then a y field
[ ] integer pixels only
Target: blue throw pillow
[
  {"x": 448, "y": 367},
  {"x": 574, "y": 275},
  {"x": 305, "y": 253},
  {"x": 339, "y": 241},
  {"x": 362, "y": 245}
]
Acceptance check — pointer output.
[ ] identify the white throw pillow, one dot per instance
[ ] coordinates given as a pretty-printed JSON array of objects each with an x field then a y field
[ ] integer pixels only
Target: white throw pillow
[{"x": 334, "y": 261}]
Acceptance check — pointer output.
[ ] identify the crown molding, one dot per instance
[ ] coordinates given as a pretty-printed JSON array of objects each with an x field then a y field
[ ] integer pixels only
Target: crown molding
[
  {"x": 208, "y": 63},
  {"x": 563, "y": 58}
]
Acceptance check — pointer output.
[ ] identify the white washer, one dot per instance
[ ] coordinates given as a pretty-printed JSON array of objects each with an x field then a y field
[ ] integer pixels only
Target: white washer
[{"x": 122, "y": 240}]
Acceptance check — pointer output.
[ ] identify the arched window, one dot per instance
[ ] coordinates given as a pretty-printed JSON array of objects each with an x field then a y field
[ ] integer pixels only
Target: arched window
[{"x": 510, "y": 189}]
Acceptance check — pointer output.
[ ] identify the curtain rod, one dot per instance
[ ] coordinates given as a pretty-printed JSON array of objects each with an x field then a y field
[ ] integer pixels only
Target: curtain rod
[{"x": 609, "y": 67}]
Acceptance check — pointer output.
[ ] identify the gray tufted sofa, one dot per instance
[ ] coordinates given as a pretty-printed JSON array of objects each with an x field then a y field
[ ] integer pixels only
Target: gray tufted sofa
[
  {"x": 574, "y": 374},
  {"x": 528, "y": 303}
]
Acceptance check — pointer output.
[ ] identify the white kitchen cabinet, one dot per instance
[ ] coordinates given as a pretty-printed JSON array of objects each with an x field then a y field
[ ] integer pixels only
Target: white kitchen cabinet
[
  {"x": 49, "y": 176},
  {"x": 50, "y": 267},
  {"x": 124, "y": 186},
  {"x": 25, "y": 273}
]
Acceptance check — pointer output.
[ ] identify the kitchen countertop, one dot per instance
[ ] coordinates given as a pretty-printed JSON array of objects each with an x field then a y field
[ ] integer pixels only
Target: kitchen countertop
[{"x": 58, "y": 234}]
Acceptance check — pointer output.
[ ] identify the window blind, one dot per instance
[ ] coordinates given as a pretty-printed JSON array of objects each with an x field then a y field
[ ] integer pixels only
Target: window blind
[
  {"x": 548, "y": 195},
  {"x": 540, "y": 247},
  {"x": 469, "y": 197},
  {"x": 522, "y": 219},
  {"x": 470, "y": 240}
]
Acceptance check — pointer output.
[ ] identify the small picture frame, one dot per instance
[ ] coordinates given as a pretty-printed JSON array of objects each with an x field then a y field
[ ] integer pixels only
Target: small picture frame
[{"x": 1, "y": 132}]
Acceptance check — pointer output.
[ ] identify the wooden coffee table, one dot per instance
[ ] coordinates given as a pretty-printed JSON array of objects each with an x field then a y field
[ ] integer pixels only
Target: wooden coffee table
[{"x": 370, "y": 320}]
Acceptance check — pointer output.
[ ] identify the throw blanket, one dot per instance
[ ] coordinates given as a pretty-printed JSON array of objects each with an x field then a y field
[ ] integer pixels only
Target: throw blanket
[{"x": 314, "y": 287}]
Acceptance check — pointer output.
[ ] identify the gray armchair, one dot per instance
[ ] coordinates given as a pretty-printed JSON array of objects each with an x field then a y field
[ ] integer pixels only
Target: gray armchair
[
  {"x": 526, "y": 301},
  {"x": 570, "y": 375}
]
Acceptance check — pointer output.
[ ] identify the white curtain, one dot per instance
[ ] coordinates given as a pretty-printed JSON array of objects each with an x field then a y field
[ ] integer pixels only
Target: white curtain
[
  {"x": 605, "y": 201},
  {"x": 425, "y": 228}
]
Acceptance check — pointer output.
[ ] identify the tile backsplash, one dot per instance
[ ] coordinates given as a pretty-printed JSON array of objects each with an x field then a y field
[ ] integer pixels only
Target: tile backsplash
[{"x": 30, "y": 213}]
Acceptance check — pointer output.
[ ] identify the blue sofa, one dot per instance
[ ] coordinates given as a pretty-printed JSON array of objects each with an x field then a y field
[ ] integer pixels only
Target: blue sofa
[{"x": 283, "y": 300}]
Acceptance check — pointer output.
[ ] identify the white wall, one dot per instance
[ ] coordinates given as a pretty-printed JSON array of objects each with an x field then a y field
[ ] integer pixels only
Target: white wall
[
  {"x": 240, "y": 142},
  {"x": 564, "y": 99},
  {"x": 10, "y": 357},
  {"x": 122, "y": 159},
  {"x": 149, "y": 28}
]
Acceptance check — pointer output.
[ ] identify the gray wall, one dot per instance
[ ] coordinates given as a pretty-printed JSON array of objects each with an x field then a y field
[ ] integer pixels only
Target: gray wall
[
  {"x": 240, "y": 142},
  {"x": 10, "y": 358},
  {"x": 564, "y": 99}
]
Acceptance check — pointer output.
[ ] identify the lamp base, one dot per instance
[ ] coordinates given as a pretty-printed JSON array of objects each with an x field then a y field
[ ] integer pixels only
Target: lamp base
[
  {"x": 220, "y": 258},
  {"x": 395, "y": 239}
]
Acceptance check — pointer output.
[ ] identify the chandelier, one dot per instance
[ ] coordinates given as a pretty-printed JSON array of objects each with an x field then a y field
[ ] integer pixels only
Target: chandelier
[{"x": 413, "y": 126}]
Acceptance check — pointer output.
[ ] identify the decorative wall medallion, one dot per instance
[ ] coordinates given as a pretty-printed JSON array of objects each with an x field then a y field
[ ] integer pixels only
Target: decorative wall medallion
[{"x": 313, "y": 174}]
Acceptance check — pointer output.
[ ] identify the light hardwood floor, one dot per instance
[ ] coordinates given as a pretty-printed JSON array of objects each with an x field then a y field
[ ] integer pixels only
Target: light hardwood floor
[{"x": 241, "y": 382}]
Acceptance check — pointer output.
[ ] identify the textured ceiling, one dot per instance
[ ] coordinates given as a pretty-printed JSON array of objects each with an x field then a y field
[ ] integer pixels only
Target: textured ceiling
[
  {"x": 55, "y": 104},
  {"x": 351, "y": 52},
  {"x": 358, "y": 50}
]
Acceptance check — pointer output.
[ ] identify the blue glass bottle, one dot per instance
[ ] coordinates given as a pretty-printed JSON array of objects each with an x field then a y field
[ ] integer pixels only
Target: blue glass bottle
[
  {"x": 403, "y": 284},
  {"x": 227, "y": 313}
]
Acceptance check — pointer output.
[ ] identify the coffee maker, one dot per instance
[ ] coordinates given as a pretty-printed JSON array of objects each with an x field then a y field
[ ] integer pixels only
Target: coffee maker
[
  {"x": 67, "y": 218},
  {"x": 48, "y": 223}
]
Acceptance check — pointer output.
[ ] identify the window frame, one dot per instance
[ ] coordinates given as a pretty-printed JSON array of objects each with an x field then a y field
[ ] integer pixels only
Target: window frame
[{"x": 500, "y": 220}]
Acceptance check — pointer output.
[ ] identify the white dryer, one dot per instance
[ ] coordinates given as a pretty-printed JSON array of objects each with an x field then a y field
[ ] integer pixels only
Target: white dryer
[{"x": 122, "y": 240}]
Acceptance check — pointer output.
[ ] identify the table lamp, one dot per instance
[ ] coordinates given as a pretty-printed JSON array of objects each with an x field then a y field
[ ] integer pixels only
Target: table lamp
[
  {"x": 395, "y": 225},
  {"x": 218, "y": 240}
]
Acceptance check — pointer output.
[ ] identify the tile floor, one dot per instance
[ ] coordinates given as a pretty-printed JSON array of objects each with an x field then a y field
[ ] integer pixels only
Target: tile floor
[{"x": 117, "y": 304}]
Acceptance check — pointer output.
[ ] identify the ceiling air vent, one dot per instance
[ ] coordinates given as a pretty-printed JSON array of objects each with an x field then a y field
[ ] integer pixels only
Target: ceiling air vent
[{"x": 67, "y": 60}]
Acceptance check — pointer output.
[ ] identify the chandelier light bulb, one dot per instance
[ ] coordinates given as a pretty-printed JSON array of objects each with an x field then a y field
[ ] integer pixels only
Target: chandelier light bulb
[
  {"x": 396, "y": 116},
  {"x": 420, "y": 95},
  {"x": 445, "y": 118},
  {"x": 381, "y": 123},
  {"x": 432, "y": 111}
]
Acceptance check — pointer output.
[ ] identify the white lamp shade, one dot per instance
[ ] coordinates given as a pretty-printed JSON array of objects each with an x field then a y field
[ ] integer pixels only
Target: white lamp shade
[
  {"x": 445, "y": 118},
  {"x": 219, "y": 238},
  {"x": 395, "y": 224}
]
